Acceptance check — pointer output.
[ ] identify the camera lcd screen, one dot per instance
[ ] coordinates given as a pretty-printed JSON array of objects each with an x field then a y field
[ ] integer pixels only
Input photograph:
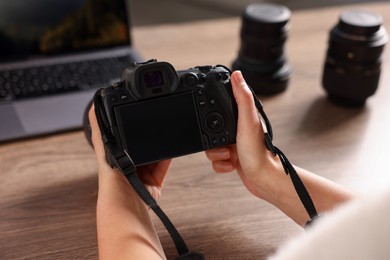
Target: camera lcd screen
[
  {"x": 161, "y": 128},
  {"x": 153, "y": 79}
]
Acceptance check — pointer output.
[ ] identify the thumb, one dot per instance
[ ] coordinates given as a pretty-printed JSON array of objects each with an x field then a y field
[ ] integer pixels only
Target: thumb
[
  {"x": 249, "y": 123},
  {"x": 250, "y": 133}
]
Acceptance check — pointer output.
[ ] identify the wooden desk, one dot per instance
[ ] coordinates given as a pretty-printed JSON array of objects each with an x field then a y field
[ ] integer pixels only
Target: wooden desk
[{"x": 48, "y": 185}]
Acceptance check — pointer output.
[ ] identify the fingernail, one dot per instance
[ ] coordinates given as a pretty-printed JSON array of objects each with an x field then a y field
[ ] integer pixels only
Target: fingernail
[
  {"x": 238, "y": 78},
  {"x": 224, "y": 152}
]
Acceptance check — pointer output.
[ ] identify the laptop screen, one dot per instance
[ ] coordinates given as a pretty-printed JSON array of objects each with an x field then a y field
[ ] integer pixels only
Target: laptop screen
[{"x": 31, "y": 28}]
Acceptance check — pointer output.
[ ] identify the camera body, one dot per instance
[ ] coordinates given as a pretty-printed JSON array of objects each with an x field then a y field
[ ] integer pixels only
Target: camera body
[{"x": 155, "y": 112}]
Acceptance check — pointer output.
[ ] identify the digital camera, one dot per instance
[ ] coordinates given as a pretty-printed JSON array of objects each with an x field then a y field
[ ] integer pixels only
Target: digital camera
[{"x": 155, "y": 112}]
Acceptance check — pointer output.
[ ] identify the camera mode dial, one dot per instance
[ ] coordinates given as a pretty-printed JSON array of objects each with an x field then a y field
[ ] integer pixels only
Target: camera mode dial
[{"x": 190, "y": 79}]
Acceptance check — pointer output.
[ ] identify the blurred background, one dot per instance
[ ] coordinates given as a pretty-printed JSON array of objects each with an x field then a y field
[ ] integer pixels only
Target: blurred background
[{"x": 148, "y": 12}]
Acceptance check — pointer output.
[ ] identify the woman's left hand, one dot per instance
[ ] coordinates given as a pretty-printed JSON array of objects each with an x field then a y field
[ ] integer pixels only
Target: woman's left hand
[{"x": 152, "y": 175}]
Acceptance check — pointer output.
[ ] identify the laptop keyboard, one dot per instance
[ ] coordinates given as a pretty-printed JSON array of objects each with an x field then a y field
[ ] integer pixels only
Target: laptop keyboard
[{"x": 60, "y": 78}]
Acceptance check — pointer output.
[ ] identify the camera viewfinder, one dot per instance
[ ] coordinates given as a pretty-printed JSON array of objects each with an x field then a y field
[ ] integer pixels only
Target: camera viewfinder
[{"x": 153, "y": 79}]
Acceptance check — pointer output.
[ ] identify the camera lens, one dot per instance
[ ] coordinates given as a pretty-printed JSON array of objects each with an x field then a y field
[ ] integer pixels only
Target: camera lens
[
  {"x": 261, "y": 56},
  {"x": 215, "y": 122},
  {"x": 354, "y": 56}
]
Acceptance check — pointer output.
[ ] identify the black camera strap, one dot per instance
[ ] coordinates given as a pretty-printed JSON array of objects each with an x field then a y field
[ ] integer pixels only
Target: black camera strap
[
  {"x": 126, "y": 166},
  {"x": 289, "y": 169}
]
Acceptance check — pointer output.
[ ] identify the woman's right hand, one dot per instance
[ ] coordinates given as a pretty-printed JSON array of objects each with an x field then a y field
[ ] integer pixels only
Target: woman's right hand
[{"x": 248, "y": 156}]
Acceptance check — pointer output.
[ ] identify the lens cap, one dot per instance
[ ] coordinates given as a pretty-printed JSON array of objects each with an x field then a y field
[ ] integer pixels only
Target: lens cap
[
  {"x": 265, "y": 18},
  {"x": 359, "y": 22}
]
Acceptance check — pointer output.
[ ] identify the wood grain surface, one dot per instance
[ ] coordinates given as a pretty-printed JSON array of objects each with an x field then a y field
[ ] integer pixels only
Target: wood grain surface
[{"x": 48, "y": 185}]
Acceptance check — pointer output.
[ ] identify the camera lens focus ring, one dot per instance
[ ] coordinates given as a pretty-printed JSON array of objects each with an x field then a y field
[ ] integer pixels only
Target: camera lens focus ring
[{"x": 215, "y": 122}]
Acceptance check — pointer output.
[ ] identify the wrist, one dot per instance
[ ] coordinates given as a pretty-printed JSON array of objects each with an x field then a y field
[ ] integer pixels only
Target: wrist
[
  {"x": 277, "y": 189},
  {"x": 271, "y": 174},
  {"x": 115, "y": 189},
  {"x": 261, "y": 176}
]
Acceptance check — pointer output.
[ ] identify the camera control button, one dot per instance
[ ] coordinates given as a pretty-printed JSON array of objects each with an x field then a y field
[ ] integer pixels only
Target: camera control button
[
  {"x": 223, "y": 139},
  {"x": 215, "y": 122},
  {"x": 212, "y": 101},
  {"x": 225, "y": 76},
  {"x": 202, "y": 103},
  {"x": 202, "y": 77},
  {"x": 114, "y": 99},
  {"x": 117, "y": 84},
  {"x": 190, "y": 79},
  {"x": 200, "y": 92},
  {"x": 204, "y": 69},
  {"x": 214, "y": 141},
  {"x": 123, "y": 97}
]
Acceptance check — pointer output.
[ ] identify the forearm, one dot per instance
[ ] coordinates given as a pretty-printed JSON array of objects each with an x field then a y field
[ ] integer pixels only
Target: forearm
[
  {"x": 277, "y": 188},
  {"x": 124, "y": 227}
]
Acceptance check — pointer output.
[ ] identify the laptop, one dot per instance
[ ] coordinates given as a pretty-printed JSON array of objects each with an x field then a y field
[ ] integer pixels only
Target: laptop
[{"x": 54, "y": 54}]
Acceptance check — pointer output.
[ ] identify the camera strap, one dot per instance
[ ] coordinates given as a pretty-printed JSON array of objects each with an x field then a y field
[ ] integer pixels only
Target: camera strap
[
  {"x": 126, "y": 166},
  {"x": 289, "y": 169}
]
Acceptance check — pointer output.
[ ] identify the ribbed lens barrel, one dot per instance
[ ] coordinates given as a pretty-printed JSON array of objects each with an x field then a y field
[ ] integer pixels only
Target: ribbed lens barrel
[{"x": 261, "y": 56}]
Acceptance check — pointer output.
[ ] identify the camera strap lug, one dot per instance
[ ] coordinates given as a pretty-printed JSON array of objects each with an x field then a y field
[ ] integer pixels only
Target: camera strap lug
[{"x": 125, "y": 164}]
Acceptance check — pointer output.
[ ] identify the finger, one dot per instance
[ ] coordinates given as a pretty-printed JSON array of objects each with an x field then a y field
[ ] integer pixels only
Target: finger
[
  {"x": 160, "y": 172},
  {"x": 248, "y": 118},
  {"x": 218, "y": 154},
  {"x": 223, "y": 166},
  {"x": 250, "y": 134},
  {"x": 154, "y": 174},
  {"x": 154, "y": 191},
  {"x": 96, "y": 136}
]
